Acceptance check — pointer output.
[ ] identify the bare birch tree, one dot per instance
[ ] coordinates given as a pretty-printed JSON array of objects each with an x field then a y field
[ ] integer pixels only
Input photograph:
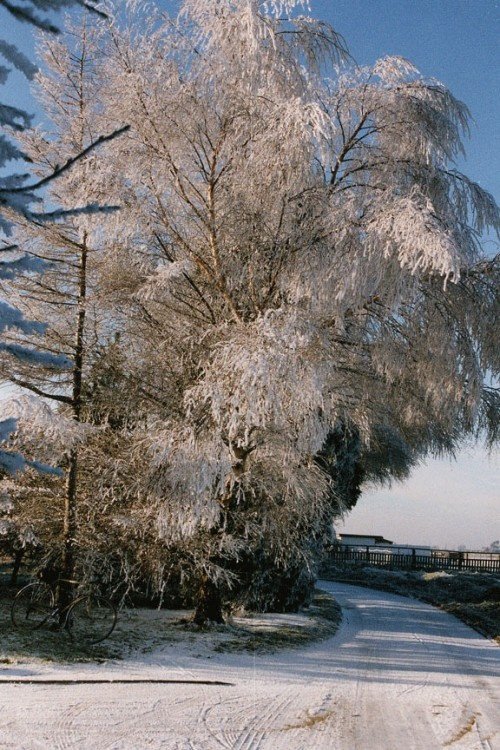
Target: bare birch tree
[{"x": 306, "y": 255}]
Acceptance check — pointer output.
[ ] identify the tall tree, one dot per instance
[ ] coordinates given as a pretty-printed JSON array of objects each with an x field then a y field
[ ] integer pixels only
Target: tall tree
[
  {"x": 306, "y": 255},
  {"x": 298, "y": 277},
  {"x": 64, "y": 296}
]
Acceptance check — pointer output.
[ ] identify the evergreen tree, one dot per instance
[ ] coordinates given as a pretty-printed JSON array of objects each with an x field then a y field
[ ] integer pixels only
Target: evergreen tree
[
  {"x": 64, "y": 296},
  {"x": 17, "y": 196}
]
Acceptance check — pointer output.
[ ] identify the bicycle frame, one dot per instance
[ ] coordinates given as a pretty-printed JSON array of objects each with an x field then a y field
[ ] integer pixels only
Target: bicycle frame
[{"x": 35, "y": 605}]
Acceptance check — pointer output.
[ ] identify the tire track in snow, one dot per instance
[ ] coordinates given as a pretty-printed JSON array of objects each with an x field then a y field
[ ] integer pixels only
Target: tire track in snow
[
  {"x": 400, "y": 674},
  {"x": 309, "y": 717},
  {"x": 261, "y": 726},
  {"x": 107, "y": 725},
  {"x": 64, "y": 730},
  {"x": 160, "y": 725},
  {"x": 247, "y": 727}
]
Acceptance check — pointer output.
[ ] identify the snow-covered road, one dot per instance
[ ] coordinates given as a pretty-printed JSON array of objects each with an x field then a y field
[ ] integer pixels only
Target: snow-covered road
[{"x": 399, "y": 675}]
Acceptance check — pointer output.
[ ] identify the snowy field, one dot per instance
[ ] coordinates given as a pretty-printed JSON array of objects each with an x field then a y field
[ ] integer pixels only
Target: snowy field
[{"x": 399, "y": 674}]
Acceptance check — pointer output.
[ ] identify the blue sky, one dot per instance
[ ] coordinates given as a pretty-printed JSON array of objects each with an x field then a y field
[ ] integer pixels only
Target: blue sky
[{"x": 455, "y": 41}]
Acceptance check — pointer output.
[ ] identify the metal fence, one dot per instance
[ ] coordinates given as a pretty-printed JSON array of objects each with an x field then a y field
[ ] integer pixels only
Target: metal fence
[{"x": 410, "y": 559}]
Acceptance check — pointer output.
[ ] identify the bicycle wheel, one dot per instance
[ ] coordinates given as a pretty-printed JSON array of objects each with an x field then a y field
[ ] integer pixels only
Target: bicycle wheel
[
  {"x": 91, "y": 619},
  {"x": 33, "y": 605}
]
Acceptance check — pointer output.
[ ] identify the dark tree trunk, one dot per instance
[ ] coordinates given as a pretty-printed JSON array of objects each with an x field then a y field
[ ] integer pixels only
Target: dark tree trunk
[
  {"x": 64, "y": 593},
  {"x": 208, "y": 604},
  {"x": 65, "y": 590}
]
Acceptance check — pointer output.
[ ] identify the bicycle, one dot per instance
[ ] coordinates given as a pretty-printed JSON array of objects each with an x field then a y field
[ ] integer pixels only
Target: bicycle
[{"x": 89, "y": 618}]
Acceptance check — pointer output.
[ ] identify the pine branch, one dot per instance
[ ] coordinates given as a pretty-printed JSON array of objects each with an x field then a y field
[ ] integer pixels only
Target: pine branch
[
  {"x": 68, "y": 164},
  {"x": 27, "y": 15},
  {"x": 39, "y": 392}
]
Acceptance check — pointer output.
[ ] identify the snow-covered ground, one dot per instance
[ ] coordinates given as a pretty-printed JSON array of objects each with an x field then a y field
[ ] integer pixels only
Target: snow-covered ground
[{"x": 398, "y": 675}]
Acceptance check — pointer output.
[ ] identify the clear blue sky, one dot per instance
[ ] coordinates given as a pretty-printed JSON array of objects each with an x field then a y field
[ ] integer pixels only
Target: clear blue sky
[{"x": 456, "y": 41}]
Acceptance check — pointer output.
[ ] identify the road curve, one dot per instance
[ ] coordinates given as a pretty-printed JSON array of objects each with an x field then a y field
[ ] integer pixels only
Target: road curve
[
  {"x": 399, "y": 675},
  {"x": 422, "y": 678}
]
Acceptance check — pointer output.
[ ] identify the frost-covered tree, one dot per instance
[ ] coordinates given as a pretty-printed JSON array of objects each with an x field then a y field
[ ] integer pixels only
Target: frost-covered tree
[
  {"x": 305, "y": 255},
  {"x": 18, "y": 194},
  {"x": 15, "y": 194},
  {"x": 66, "y": 295},
  {"x": 275, "y": 295}
]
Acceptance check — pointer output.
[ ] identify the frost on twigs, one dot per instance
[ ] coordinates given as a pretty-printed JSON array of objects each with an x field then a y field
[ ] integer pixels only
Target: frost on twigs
[
  {"x": 18, "y": 194},
  {"x": 46, "y": 433},
  {"x": 415, "y": 234},
  {"x": 15, "y": 194}
]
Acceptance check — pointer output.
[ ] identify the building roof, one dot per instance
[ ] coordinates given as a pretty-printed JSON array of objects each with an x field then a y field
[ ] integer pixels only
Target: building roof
[{"x": 378, "y": 539}]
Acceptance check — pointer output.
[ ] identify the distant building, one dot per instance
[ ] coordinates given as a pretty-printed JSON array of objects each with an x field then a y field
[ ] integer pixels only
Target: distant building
[{"x": 362, "y": 540}]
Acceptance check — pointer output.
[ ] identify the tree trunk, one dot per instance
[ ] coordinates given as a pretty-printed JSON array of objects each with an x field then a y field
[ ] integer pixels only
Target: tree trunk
[
  {"x": 64, "y": 594},
  {"x": 69, "y": 532},
  {"x": 208, "y": 604}
]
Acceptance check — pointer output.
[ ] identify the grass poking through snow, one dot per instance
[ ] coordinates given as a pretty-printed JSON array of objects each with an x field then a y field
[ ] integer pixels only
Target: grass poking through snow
[{"x": 142, "y": 631}]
